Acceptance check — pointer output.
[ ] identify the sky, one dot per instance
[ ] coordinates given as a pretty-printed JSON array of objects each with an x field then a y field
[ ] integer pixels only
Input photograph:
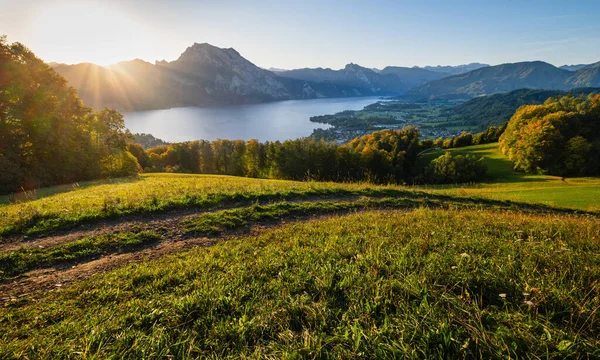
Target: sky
[{"x": 309, "y": 33}]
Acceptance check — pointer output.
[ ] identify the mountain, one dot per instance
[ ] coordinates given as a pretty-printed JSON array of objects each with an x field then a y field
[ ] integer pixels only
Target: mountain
[
  {"x": 276, "y": 70},
  {"x": 127, "y": 86},
  {"x": 588, "y": 76},
  {"x": 365, "y": 80},
  {"x": 455, "y": 70},
  {"x": 202, "y": 75},
  {"x": 573, "y": 67},
  {"x": 506, "y": 78},
  {"x": 414, "y": 76}
]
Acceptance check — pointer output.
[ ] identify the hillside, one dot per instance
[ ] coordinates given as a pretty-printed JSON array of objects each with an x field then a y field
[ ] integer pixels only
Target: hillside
[
  {"x": 497, "y": 109},
  {"x": 208, "y": 75},
  {"x": 191, "y": 260},
  {"x": 506, "y": 78}
]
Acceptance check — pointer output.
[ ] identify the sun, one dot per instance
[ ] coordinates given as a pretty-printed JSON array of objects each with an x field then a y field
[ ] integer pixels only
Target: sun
[{"x": 88, "y": 31}]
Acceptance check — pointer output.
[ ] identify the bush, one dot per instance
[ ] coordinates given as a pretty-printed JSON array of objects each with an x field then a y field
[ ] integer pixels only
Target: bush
[
  {"x": 140, "y": 154},
  {"x": 448, "y": 169},
  {"x": 120, "y": 165}
]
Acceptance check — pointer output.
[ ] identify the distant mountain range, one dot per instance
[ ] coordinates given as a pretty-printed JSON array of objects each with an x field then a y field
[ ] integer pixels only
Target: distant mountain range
[
  {"x": 455, "y": 70},
  {"x": 207, "y": 75},
  {"x": 505, "y": 78},
  {"x": 573, "y": 67},
  {"x": 353, "y": 76}
]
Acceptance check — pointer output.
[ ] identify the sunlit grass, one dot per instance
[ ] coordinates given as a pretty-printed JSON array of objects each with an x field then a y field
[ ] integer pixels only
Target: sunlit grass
[
  {"x": 428, "y": 283},
  {"x": 503, "y": 183},
  {"x": 159, "y": 193}
]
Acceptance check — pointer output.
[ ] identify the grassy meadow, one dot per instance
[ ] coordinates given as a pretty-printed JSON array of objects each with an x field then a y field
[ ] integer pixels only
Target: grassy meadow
[
  {"x": 383, "y": 284},
  {"x": 507, "y": 268},
  {"x": 503, "y": 183}
]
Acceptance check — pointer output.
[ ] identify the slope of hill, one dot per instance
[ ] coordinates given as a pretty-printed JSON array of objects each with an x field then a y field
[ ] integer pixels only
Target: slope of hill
[
  {"x": 497, "y": 109},
  {"x": 354, "y": 76},
  {"x": 202, "y": 75},
  {"x": 588, "y": 76}
]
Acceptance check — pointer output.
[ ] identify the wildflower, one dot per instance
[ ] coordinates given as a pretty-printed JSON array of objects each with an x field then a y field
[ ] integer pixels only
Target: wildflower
[
  {"x": 529, "y": 302},
  {"x": 503, "y": 295}
]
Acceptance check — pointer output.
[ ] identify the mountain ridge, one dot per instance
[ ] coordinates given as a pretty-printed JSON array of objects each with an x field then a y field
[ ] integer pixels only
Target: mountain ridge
[
  {"x": 208, "y": 75},
  {"x": 505, "y": 78}
]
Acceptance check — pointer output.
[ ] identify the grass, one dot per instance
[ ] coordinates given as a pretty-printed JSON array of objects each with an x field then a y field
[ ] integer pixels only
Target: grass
[
  {"x": 25, "y": 258},
  {"x": 384, "y": 284},
  {"x": 63, "y": 208},
  {"x": 468, "y": 272},
  {"x": 215, "y": 222},
  {"x": 19, "y": 261},
  {"x": 503, "y": 183},
  {"x": 160, "y": 193}
]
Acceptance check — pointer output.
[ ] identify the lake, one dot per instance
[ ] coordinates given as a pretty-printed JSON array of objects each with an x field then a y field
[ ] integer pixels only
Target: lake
[{"x": 272, "y": 121}]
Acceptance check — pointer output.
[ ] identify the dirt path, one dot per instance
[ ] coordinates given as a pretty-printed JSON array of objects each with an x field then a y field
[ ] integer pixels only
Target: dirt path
[
  {"x": 34, "y": 283},
  {"x": 37, "y": 282},
  {"x": 167, "y": 224}
]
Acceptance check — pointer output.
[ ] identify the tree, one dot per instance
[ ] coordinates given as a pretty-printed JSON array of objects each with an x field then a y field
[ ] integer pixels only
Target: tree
[
  {"x": 557, "y": 137},
  {"x": 454, "y": 169}
]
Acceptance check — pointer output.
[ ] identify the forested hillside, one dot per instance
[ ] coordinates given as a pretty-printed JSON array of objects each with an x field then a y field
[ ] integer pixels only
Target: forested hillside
[{"x": 497, "y": 109}]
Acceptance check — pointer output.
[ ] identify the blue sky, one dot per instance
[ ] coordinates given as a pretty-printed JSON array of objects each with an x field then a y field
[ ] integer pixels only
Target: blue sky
[{"x": 309, "y": 33}]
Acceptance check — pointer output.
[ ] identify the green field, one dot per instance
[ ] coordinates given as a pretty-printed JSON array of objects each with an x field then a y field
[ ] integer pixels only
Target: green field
[
  {"x": 430, "y": 283},
  {"x": 503, "y": 183},
  {"x": 204, "y": 266}
]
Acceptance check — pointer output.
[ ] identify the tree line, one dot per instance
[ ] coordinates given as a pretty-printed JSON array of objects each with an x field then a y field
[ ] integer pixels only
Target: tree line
[{"x": 386, "y": 156}]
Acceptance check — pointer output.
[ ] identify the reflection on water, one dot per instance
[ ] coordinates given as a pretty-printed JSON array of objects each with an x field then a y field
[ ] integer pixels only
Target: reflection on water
[{"x": 280, "y": 120}]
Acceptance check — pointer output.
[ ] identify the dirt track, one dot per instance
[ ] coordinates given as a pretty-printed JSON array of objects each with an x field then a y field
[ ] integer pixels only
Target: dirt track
[{"x": 168, "y": 225}]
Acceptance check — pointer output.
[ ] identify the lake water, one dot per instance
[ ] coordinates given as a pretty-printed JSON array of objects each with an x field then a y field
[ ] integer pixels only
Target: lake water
[{"x": 272, "y": 121}]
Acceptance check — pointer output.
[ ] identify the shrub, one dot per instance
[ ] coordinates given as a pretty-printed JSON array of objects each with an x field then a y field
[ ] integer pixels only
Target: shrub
[
  {"x": 120, "y": 165},
  {"x": 447, "y": 169}
]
